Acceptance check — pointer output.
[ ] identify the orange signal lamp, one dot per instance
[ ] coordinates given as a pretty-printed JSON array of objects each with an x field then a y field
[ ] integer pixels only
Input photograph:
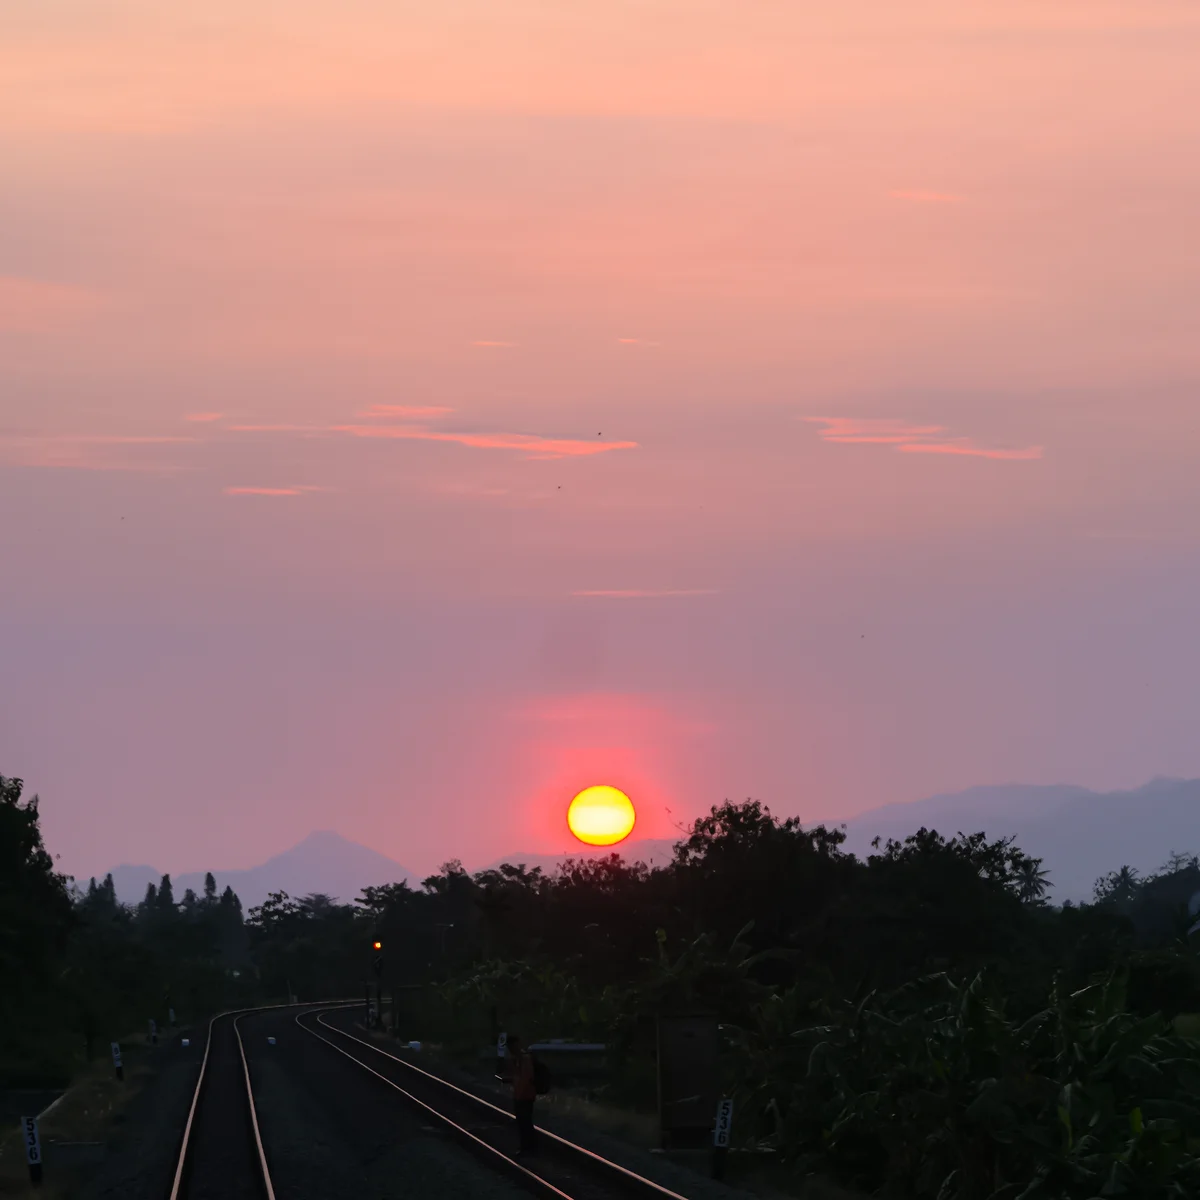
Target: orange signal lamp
[{"x": 377, "y": 945}]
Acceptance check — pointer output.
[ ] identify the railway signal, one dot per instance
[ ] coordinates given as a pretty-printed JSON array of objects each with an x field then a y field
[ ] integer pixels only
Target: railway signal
[{"x": 376, "y": 1018}]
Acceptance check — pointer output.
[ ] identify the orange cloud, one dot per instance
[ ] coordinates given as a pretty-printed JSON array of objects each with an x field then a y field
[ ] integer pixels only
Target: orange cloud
[
  {"x": 505, "y": 344},
  {"x": 871, "y": 430},
  {"x": 261, "y": 491},
  {"x": 534, "y": 445},
  {"x": 966, "y": 447},
  {"x": 279, "y": 429},
  {"x": 908, "y": 438},
  {"x": 82, "y": 452},
  {"x": 203, "y": 417},
  {"x": 920, "y": 196}
]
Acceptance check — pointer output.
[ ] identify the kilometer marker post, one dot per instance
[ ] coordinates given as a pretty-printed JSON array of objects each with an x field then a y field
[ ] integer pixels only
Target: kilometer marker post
[
  {"x": 33, "y": 1149},
  {"x": 721, "y": 1129}
]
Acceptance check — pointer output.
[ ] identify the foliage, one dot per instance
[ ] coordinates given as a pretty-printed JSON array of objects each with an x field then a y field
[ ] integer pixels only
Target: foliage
[
  {"x": 921, "y": 1023},
  {"x": 934, "y": 1091}
]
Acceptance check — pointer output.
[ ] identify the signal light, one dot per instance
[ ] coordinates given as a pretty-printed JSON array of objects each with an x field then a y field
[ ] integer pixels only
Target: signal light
[{"x": 377, "y": 945}]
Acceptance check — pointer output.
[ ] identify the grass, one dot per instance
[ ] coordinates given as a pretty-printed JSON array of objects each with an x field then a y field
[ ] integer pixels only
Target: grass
[{"x": 87, "y": 1112}]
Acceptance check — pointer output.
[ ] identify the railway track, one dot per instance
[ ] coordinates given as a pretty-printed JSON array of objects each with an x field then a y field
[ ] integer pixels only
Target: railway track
[
  {"x": 221, "y": 1156},
  {"x": 561, "y": 1169}
]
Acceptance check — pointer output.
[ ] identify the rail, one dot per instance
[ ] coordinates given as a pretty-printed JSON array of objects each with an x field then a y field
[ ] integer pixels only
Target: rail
[{"x": 628, "y": 1180}]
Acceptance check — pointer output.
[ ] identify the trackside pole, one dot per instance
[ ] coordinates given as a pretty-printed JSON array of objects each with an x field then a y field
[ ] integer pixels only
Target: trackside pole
[{"x": 116, "y": 1053}]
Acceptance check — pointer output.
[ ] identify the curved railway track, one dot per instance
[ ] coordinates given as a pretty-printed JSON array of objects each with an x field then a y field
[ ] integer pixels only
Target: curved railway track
[{"x": 561, "y": 1169}]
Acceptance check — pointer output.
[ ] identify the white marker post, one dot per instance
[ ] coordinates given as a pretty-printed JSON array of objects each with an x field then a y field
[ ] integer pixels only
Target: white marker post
[
  {"x": 33, "y": 1149},
  {"x": 116, "y": 1052},
  {"x": 501, "y": 1053},
  {"x": 721, "y": 1130}
]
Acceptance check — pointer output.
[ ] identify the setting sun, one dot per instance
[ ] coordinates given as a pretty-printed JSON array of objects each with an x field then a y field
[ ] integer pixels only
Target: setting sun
[{"x": 601, "y": 816}]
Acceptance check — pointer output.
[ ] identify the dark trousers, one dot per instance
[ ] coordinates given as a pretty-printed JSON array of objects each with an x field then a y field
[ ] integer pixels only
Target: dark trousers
[{"x": 526, "y": 1137}]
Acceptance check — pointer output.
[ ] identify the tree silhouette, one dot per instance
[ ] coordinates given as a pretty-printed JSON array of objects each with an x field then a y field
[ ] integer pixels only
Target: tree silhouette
[{"x": 1032, "y": 881}]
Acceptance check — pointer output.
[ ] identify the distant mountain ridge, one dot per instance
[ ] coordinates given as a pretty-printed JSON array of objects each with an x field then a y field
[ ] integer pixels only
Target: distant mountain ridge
[
  {"x": 323, "y": 862},
  {"x": 1081, "y": 834}
]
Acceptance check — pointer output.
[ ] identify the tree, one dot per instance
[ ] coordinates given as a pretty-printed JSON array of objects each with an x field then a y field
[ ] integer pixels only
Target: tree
[
  {"x": 1117, "y": 887},
  {"x": 1032, "y": 881},
  {"x": 36, "y": 920},
  {"x": 166, "y": 895},
  {"x": 210, "y": 888}
]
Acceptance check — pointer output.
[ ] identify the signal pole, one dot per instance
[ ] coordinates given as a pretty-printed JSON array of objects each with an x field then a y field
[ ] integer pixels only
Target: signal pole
[{"x": 377, "y": 967}]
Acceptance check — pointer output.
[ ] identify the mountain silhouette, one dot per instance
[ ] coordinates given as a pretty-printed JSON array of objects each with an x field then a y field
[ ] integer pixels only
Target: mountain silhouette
[
  {"x": 1081, "y": 834},
  {"x": 323, "y": 862}
]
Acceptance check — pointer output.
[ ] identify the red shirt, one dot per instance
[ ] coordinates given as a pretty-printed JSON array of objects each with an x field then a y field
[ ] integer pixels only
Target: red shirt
[{"x": 523, "y": 1084}]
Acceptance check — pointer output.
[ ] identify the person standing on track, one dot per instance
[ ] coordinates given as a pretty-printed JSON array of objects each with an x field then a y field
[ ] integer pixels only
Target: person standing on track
[{"x": 524, "y": 1089}]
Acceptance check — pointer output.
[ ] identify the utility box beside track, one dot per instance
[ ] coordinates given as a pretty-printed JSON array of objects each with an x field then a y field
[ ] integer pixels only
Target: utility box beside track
[{"x": 688, "y": 1079}]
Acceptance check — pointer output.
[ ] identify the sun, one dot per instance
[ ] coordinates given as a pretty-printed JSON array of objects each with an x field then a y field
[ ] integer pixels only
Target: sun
[{"x": 601, "y": 816}]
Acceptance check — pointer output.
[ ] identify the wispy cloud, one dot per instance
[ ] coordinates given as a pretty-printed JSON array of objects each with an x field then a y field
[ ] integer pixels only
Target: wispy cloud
[
  {"x": 907, "y": 437},
  {"x": 261, "y": 491},
  {"x": 872, "y": 430},
  {"x": 643, "y": 593},
  {"x": 203, "y": 417},
  {"x": 411, "y": 412},
  {"x": 495, "y": 345},
  {"x": 628, "y": 341},
  {"x": 923, "y": 196},
  {"x": 533, "y": 445},
  {"x": 311, "y": 429},
  {"x": 969, "y": 449},
  {"x": 85, "y": 452}
]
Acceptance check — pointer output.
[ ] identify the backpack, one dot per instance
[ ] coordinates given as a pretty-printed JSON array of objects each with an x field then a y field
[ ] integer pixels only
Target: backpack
[{"x": 541, "y": 1076}]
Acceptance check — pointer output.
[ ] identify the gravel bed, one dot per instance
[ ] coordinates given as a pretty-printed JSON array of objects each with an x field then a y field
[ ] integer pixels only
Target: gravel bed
[
  {"x": 139, "y": 1160},
  {"x": 331, "y": 1132}
]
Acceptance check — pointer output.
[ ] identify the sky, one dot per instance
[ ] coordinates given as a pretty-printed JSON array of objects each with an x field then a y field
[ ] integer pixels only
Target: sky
[{"x": 411, "y": 414}]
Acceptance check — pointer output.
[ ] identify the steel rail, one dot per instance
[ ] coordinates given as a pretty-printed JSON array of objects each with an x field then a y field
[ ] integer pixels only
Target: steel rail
[
  {"x": 262, "y": 1155},
  {"x": 186, "y": 1143},
  {"x": 532, "y": 1180},
  {"x": 600, "y": 1164}
]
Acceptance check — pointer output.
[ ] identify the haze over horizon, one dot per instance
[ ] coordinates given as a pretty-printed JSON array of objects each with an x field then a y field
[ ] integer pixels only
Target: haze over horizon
[{"x": 409, "y": 417}]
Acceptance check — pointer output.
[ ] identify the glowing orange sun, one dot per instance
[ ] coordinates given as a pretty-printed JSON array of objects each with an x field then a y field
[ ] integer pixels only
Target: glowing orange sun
[{"x": 601, "y": 816}]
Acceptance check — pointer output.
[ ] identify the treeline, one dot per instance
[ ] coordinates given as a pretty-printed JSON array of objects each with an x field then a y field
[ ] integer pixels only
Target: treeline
[
  {"x": 919, "y": 1023},
  {"x": 81, "y": 969}
]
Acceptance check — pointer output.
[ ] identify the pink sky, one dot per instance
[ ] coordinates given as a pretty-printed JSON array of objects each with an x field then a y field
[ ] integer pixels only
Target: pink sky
[{"x": 410, "y": 415}]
